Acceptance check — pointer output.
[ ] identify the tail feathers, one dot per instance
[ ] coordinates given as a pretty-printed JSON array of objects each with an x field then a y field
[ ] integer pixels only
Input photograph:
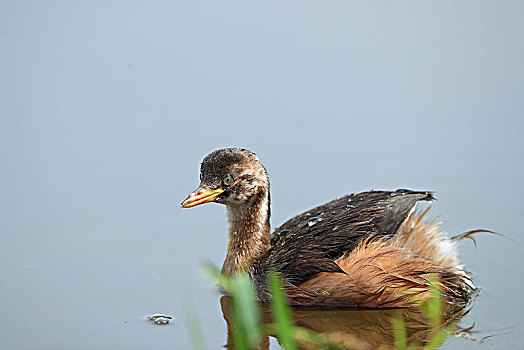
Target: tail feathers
[{"x": 469, "y": 235}]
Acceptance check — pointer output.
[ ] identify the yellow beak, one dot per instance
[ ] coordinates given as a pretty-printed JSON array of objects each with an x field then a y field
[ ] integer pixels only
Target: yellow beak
[{"x": 200, "y": 196}]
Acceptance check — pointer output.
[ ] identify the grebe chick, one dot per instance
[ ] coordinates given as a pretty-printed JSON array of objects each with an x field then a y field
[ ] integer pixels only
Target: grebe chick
[{"x": 367, "y": 250}]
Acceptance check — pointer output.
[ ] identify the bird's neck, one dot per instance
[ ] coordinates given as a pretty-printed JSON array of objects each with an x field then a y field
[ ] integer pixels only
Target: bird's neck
[{"x": 249, "y": 233}]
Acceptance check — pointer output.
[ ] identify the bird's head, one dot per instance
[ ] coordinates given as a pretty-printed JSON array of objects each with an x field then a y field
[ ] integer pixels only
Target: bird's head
[{"x": 230, "y": 176}]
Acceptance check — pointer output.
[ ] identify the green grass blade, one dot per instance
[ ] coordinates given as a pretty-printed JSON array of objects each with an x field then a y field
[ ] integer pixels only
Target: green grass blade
[
  {"x": 214, "y": 275},
  {"x": 194, "y": 329},
  {"x": 239, "y": 333},
  {"x": 247, "y": 317},
  {"x": 433, "y": 307},
  {"x": 399, "y": 332},
  {"x": 281, "y": 313}
]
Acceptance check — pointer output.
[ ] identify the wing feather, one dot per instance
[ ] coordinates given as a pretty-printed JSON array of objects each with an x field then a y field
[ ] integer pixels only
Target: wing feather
[{"x": 309, "y": 243}]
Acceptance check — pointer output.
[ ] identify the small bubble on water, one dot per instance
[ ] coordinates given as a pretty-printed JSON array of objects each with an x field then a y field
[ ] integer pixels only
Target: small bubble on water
[{"x": 160, "y": 319}]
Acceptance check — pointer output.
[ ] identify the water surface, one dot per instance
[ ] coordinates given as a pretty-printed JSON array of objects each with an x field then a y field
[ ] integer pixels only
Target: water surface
[{"x": 106, "y": 110}]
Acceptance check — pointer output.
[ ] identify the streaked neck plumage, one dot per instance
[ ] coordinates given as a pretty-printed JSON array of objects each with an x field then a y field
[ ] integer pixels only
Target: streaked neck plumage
[{"x": 249, "y": 232}]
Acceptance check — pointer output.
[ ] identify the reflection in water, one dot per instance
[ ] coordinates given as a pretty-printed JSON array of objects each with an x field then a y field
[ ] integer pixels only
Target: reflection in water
[{"x": 355, "y": 328}]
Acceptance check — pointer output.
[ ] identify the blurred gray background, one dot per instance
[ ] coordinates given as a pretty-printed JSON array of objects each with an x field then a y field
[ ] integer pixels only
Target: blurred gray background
[{"x": 108, "y": 107}]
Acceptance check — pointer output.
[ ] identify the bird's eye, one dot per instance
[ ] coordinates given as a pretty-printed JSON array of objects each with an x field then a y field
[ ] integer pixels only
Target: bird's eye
[{"x": 228, "y": 180}]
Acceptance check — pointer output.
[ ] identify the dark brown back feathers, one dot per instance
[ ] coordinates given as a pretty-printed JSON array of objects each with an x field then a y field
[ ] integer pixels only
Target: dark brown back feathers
[{"x": 310, "y": 243}]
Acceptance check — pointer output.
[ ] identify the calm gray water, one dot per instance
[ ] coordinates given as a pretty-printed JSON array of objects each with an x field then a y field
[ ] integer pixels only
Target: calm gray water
[{"x": 107, "y": 108}]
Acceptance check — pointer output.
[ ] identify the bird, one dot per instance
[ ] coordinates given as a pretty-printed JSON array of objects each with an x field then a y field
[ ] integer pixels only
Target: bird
[{"x": 366, "y": 250}]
